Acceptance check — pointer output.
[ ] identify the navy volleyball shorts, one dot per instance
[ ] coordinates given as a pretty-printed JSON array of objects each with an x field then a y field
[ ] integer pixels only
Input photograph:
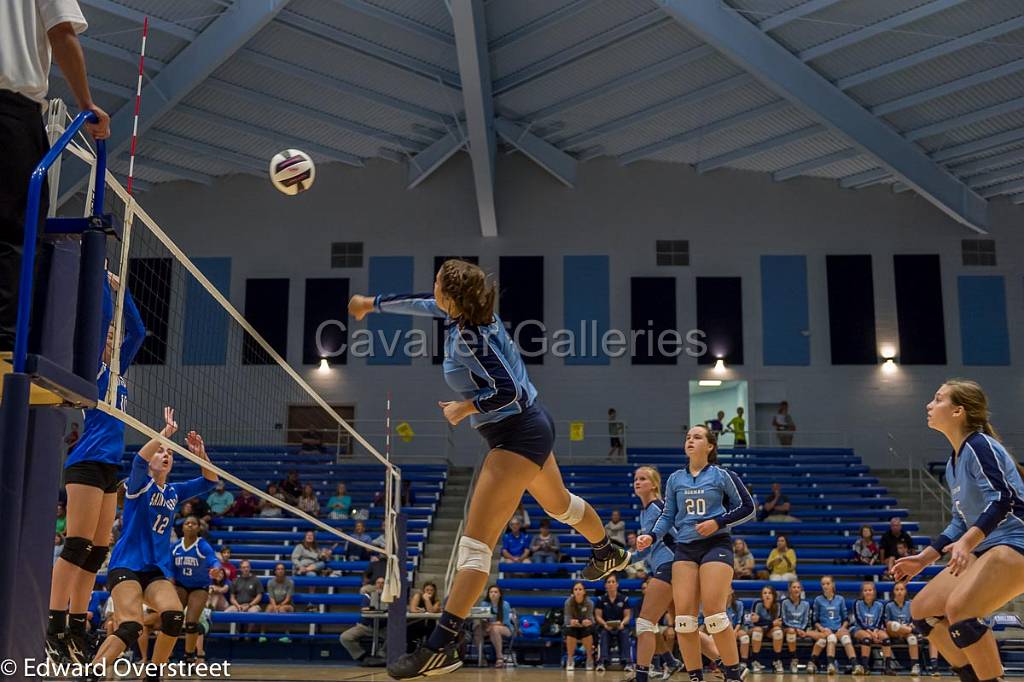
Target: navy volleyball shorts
[
  {"x": 664, "y": 572},
  {"x": 531, "y": 433},
  {"x": 706, "y": 550}
]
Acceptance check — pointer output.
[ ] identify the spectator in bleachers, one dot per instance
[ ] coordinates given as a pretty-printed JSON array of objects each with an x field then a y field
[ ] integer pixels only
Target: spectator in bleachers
[
  {"x": 220, "y": 500},
  {"x": 58, "y": 546},
  {"x": 887, "y": 543},
  {"x": 291, "y": 487},
  {"x": 408, "y": 496},
  {"x": 868, "y": 627},
  {"x": 62, "y": 519},
  {"x": 230, "y": 570},
  {"x": 307, "y": 557},
  {"x": 742, "y": 560},
  {"x": 521, "y": 515},
  {"x": 423, "y": 600},
  {"x": 737, "y": 616},
  {"x": 738, "y": 427},
  {"x": 777, "y": 507},
  {"x": 615, "y": 431},
  {"x": 308, "y": 501},
  {"x": 578, "y": 625},
  {"x": 900, "y": 625},
  {"x": 796, "y": 621},
  {"x": 635, "y": 568},
  {"x": 613, "y": 615},
  {"x": 766, "y": 621},
  {"x": 715, "y": 424},
  {"x": 784, "y": 425},
  {"x": 269, "y": 510},
  {"x": 353, "y": 551},
  {"x": 340, "y": 504},
  {"x": 865, "y": 549},
  {"x": 781, "y": 562},
  {"x": 312, "y": 442},
  {"x": 352, "y": 638},
  {"x": 499, "y": 626},
  {"x": 219, "y": 588},
  {"x": 201, "y": 510},
  {"x": 515, "y": 545},
  {"x": 184, "y": 511},
  {"x": 831, "y": 620},
  {"x": 544, "y": 546},
  {"x": 246, "y": 592},
  {"x": 246, "y": 505},
  {"x": 281, "y": 597},
  {"x": 616, "y": 528}
]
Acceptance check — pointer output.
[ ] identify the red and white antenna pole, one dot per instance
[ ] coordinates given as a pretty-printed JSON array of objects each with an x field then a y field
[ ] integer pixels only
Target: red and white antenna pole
[
  {"x": 387, "y": 428},
  {"x": 138, "y": 103}
]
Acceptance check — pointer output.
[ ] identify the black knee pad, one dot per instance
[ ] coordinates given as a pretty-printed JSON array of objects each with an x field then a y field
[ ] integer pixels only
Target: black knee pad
[
  {"x": 171, "y": 622},
  {"x": 926, "y": 625},
  {"x": 128, "y": 632},
  {"x": 886, "y": 642},
  {"x": 191, "y": 628},
  {"x": 966, "y": 632},
  {"x": 966, "y": 674},
  {"x": 95, "y": 560},
  {"x": 76, "y": 551}
]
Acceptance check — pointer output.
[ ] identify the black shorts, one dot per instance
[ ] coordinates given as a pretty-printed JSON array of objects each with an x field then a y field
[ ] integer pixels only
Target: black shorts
[
  {"x": 578, "y": 632},
  {"x": 531, "y": 433},
  {"x": 116, "y": 576},
  {"x": 616, "y": 442},
  {"x": 706, "y": 550},
  {"x": 664, "y": 572},
  {"x": 100, "y": 475}
]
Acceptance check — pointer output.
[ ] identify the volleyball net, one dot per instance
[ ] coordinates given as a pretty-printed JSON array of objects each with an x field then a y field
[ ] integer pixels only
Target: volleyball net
[{"x": 175, "y": 339}]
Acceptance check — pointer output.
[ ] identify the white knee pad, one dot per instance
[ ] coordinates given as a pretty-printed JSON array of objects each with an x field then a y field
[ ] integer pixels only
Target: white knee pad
[
  {"x": 777, "y": 635},
  {"x": 572, "y": 515},
  {"x": 845, "y": 640},
  {"x": 892, "y": 626},
  {"x": 790, "y": 637},
  {"x": 757, "y": 635},
  {"x": 643, "y": 625},
  {"x": 911, "y": 640},
  {"x": 473, "y": 555},
  {"x": 744, "y": 639},
  {"x": 716, "y": 623},
  {"x": 686, "y": 624},
  {"x": 832, "y": 639}
]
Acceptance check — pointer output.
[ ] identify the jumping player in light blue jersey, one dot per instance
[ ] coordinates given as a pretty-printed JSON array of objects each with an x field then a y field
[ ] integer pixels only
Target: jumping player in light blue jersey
[
  {"x": 868, "y": 628},
  {"x": 483, "y": 366},
  {"x": 194, "y": 558},
  {"x": 702, "y": 501},
  {"x": 829, "y": 618},
  {"x": 141, "y": 563},
  {"x": 91, "y": 474},
  {"x": 985, "y": 539},
  {"x": 796, "y": 623},
  {"x": 900, "y": 625}
]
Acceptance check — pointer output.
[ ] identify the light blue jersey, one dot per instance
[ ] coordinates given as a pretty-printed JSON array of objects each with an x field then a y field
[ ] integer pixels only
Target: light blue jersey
[
  {"x": 796, "y": 614},
  {"x": 481, "y": 363},
  {"x": 102, "y": 434},
  {"x": 658, "y": 553},
  {"x": 766, "y": 617},
  {"x": 987, "y": 492},
  {"x": 145, "y": 543},
  {"x": 192, "y": 564},
  {"x": 829, "y": 613},
  {"x": 714, "y": 493},
  {"x": 736, "y": 612},
  {"x": 894, "y": 613},
  {"x": 867, "y": 617}
]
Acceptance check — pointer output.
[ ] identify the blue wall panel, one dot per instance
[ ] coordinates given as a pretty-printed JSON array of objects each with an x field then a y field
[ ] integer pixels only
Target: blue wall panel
[
  {"x": 586, "y": 307},
  {"x": 984, "y": 333},
  {"x": 390, "y": 275},
  {"x": 205, "y": 339},
  {"x": 784, "y": 316}
]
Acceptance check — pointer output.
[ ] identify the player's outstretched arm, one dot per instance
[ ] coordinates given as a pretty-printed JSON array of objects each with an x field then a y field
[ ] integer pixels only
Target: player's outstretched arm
[
  {"x": 198, "y": 448},
  {"x": 147, "y": 451}
]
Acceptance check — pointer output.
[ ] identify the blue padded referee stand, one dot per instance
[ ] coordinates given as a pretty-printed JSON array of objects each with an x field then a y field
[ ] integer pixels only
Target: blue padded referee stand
[
  {"x": 396, "y": 635},
  {"x": 55, "y": 363}
]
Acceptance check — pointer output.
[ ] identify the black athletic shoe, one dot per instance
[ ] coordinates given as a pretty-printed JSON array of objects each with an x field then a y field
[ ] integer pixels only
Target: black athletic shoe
[
  {"x": 77, "y": 647},
  {"x": 598, "y": 569},
  {"x": 189, "y": 658},
  {"x": 56, "y": 649},
  {"x": 426, "y": 662}
]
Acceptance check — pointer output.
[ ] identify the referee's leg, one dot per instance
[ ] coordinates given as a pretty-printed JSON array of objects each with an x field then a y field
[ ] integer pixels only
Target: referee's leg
[{"x": 23, "y": 139}]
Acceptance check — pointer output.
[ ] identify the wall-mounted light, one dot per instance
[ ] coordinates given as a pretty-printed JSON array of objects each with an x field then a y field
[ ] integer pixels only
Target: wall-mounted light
[
  {"x": 709, "y": 382},
  {"x": 324, "y": 366},
  {"x": 887, "y": 351},
  {"x": 889, "y": 366},
  {"x": 719, "y": 366}
]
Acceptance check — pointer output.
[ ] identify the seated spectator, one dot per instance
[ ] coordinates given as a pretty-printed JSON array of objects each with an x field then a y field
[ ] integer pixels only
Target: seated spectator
[
  {"x": 353, "y": 551},
  {"x": 742, "y": 560},
  {"x": 219, "y": 587},
  {"x": 515, "y": 545},
  {"x": 307, "y": 557},
  {"x": 308, "y": 501},
  {"x": 781, "y": 562},
  {"x": 62, "y": 519},
  {"x": 777, "y": 507},
  {"x": 220, "y": 500},
  {"x": 865, "y": 549},
  {"x": 616, "y": 528},
  {"x": 352, "y": 638},
  {"x": 766, "y": 622},
  {"x": 281, "y": 595},
  {"x": 408, "y": 496},
  {"x": 58, "y": 546},
  {"x": 201, "y": 510},
  {"x": 521, "y": 515},
  {"x": 578, "y": 625},
  {"x": 312, "y": 443},
  {"x": 544, "y": 545},
  {"x": 245, "y": 506},
  {"x": 890, "y": 538},
  {"x": 633, "y": 570},
  {"x": 613, "y": 615},
  {"x": 500, "y": 625},
  {"x": 291, "y": 487},
  {"x": 423, "y": 600},
  {"x": 269, "y": 510},
  {"x": 184, "y": 511},
  {"x": 246, "y": 592},
  {"x": 230, "y": 570},
  {"x": 339, "y": 506}
]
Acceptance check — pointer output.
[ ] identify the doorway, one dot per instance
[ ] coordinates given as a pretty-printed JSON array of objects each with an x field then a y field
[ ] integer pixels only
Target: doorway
[{"x": 708, "y": 398}]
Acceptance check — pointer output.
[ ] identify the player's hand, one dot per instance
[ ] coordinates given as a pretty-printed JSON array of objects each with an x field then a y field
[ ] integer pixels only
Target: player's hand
[
  {"x": 706, "y": 528},
  {"x": 170, "y": 426},
  {"x": 959, "y": 556},
  {"x": 644, "y": 541},
  {"x": 101, "y": 129},
  {"x": 909, "y": 566},
  {"x": 360, "y": 306},
  {"x": 114, "y": 281},
  {"x": 456, "y": 410},
  {"x": 196, "y": 445}
]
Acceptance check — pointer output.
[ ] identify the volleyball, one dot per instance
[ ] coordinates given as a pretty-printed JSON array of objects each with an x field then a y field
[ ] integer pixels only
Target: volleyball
[{"x": 292, "y": 171}]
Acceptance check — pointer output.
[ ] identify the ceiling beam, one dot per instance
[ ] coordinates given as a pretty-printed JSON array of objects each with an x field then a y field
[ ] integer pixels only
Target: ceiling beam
[
  {"x": 760, "y": 148},
  {"x": 1003, "y": 188},
  {"x": 793, "y": 13},
  {"x": 1008, "y": 173},
  {"x": 981, "y": 165},
  {"x": 777, "y": 68},
  {"x": 863, "y": 179},
  {"x": 136, "y": 17},
  {"x": 177, "y": 171},
  {"x": 474, "y": 69},
  {"x": 221, "y": 39},
  {"x": 982, "y": 145},
  {"x": 814, "y": 164},
  {"x": 950, "y": 88},
  {"x": 399, "y": 21},
  {"x": 556, "y": 162},
  {"x": 430, "y": 159},
  {"x": 955, "y": 122},
  {"x": 250, "y": 164},
  {"x": 541, "y": 23},
  {"x": 100, "y": 47}
]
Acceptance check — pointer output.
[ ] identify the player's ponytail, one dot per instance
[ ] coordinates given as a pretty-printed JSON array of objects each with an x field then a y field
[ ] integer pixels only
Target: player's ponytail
[{"x": 469, "y": 289}]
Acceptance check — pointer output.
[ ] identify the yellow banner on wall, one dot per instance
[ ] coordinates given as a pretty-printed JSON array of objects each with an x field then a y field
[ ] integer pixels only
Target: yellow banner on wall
[
  {"x": 576, "y": 431},
  {"x": 405, "y": 432}
]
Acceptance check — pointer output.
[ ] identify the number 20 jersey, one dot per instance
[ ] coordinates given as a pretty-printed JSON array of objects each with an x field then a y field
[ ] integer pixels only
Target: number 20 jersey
[{"x": 714, "y": 493}]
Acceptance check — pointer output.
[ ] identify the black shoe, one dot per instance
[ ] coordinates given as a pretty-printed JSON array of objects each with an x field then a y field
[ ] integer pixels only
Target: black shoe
[
  {"x": 426, "y": 662},
  {"x": 56, "y": 649},
  {"x": 373, "y": 662},
  {"x": 189, "y": 658},
  {"x": 598, "y": 569},
  {"x": 77, "y": 647}
]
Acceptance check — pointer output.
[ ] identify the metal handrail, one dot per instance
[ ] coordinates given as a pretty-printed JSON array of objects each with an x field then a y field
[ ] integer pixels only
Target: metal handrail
[
  {"x": 28, "y": 254},
  {"x": 449, "y": 575}
]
